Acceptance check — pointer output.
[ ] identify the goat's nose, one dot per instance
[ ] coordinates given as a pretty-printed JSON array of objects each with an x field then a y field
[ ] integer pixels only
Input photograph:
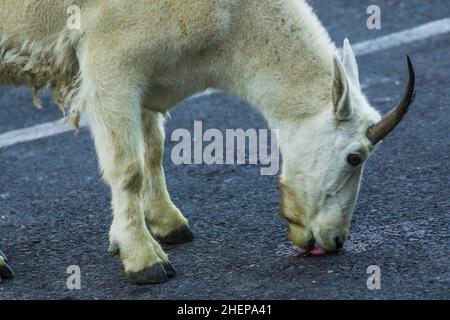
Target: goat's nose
[{"x": 339, "y": 243}]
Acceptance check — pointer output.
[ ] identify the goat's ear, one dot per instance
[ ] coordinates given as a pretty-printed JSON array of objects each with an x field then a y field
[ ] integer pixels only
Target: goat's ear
[
  {"x": 340, "y": 92},
  {"x": 350, "y": 65}
]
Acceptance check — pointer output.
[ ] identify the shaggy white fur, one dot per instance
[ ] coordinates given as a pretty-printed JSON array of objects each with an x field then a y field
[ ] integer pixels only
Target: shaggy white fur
[{"x": 132, "y": 61}]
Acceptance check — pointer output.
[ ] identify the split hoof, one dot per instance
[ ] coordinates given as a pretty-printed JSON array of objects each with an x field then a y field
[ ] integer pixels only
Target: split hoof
[
  {"x": 150, "y": 275},
  {"x": 170, "y": 271},
  {"x": 182, "y": 235}
]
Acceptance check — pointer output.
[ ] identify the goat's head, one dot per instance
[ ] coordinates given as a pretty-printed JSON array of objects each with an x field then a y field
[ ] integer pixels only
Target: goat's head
[{"x": 324, "y": 157}]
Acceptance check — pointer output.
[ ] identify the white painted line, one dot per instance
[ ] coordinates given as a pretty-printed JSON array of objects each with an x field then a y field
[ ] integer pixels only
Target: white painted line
[
  {"x": 421, "y": 32},
  {"x": 418, "y": 33},
  {"x": 33, "y": 133}
]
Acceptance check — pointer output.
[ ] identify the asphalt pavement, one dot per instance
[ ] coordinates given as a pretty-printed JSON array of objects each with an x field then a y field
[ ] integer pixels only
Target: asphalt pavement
[{"x": 55, "y": 211}]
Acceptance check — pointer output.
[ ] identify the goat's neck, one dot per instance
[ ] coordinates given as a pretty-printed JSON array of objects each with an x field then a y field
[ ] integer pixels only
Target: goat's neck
[{"x": 279, "y": 59}]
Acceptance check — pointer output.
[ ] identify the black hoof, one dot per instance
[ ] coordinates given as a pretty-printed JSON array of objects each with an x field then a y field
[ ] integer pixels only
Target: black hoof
[
  {"x": 5, "y": 270},
  {"x": 170, "y": 270},
  {"x": 153, "y": 274},
  {"x": 182, "y": 235}
]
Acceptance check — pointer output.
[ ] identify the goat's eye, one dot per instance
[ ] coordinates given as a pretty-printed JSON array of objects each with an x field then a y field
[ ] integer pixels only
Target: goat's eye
[{"x": 354, "y": 159}]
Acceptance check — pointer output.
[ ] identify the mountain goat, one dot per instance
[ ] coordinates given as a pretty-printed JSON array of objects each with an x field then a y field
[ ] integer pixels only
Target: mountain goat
[{"x": 130, "y": 62}]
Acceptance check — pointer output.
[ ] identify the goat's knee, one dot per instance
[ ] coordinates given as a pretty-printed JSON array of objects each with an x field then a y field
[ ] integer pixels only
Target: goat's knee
[{"x": 133, "y": 180}]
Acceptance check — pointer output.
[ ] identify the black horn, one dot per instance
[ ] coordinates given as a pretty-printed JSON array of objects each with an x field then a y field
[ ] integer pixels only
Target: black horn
[{"x": 381, "y": 129}]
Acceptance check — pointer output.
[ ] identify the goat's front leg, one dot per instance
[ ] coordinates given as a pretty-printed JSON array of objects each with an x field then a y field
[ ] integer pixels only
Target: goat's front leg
[
  {"x": 166, "y": 221},
  {"x": 5, "y": 269},
  {"x": 115, "y": 120}
]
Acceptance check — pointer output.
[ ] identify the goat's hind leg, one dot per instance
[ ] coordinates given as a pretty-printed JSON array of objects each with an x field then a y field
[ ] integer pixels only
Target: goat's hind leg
[{"x": 5, "y": 269}]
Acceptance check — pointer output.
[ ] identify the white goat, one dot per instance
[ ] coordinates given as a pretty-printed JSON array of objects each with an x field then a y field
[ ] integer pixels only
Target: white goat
[{"x": 131, "y": 61}]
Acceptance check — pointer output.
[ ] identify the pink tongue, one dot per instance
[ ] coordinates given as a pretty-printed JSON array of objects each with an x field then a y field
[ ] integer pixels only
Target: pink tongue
[{"x": 317, "y": 251}]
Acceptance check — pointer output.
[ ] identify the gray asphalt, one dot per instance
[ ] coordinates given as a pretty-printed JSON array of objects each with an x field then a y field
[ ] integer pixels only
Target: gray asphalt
[{"x": 55, "y": 211}]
